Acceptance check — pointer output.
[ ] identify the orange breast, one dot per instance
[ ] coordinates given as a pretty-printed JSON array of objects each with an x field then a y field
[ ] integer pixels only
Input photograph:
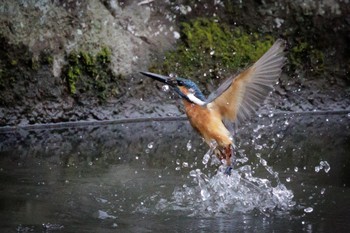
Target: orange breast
[{"x": 208, "y": 123}]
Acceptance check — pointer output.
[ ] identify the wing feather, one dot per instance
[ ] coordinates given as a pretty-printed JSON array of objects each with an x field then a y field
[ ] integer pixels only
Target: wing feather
[{"x": 238, "y": 97}]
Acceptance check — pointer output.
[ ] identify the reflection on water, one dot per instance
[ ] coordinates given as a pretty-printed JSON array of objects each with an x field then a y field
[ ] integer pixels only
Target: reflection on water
[{"x": 292, "y": 174}]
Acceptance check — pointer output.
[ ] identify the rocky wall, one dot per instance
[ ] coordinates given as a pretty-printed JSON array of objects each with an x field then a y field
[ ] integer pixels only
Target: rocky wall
[{"x": 39, "y": 83}]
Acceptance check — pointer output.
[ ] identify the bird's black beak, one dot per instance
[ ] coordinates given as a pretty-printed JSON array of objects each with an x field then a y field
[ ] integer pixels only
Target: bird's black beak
[{"x": 161, "y": 78}]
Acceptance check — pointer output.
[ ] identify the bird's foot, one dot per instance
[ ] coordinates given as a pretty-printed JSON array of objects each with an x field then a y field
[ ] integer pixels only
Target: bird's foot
[{"x": 228, "y": 170}]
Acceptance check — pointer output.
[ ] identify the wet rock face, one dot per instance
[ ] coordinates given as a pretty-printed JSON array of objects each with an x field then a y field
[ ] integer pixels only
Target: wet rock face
[
  {"x": 25, "y": 80},
  {"x": 38, "y": 36},
  {"x": 61, "y": 26}
]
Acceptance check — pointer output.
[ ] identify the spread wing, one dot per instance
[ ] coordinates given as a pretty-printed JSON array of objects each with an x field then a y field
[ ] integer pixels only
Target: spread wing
[{"x": 238, "y": 97}]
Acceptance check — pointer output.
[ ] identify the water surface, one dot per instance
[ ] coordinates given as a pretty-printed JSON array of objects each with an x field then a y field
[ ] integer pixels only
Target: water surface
[{"x": 150, "y": 177}]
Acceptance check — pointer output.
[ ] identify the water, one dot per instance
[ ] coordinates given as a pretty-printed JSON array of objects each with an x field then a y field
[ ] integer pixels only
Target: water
[
  {"x": 221, "y": 194},
  {"x": 153, "y": 176}
]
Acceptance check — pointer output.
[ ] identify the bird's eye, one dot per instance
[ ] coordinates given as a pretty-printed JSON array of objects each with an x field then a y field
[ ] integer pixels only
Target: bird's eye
[
  {"x": 180, "y": 83},
  {"x": 172, "y": 81}
]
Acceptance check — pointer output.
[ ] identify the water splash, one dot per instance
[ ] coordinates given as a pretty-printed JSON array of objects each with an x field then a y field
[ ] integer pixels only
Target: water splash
[
  {"x": 52, "y": 227},
  {"x": 323, "y": 165},
  {"x": 206, "y": 157},
  {"x": 189, "y": 145},
  {"x": 165, "y": 88},
  {"x": 104, "y": 215},
  {"x": 210, "y": 153},
  {"x": 150, "y": 145},
  {"x": 220, "y": 194},
  {"x": 308, "y": 210},
  {"x": 214, "y": 193}
]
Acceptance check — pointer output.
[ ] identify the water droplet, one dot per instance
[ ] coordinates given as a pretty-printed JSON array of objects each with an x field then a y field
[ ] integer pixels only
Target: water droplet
[
  {"x": 104, "y": 215},
  {"x": 177, "y": 168},
  {"x": 270, "y": 114},
  {"x": 349, "y": 114},
  {"x": 308, "y": 210},
  {"x": 150, "y": 145},
  {"x": 206, "y": 157},
  {"x": 185, "y": 164},
  {"x": 323, "y": 190},
  {"x": 288, "y": 179},
  {"x": 205, "y": 194},
  {"x": 176, "y": 35},
  {"x": 213, "y": 144},
  {"x": 90, "y": 163},
  {"x": 189, "y": 145},
  {"x": 317, "y": 169},
  {"x": 193, "y": 173},
  {"x": 258, "y": 128},
  {"x": 50, "y": 227},
  {"x": 165, "y": 88},
  {"x": 114, "y": 225},
  {"x": 263, "y": 162},
  {"x": 325, "y": 166},
  {"x": 296, "y": 169},
  {"x": 137, "y": 157},
  {"x": 212, "y": 52}
]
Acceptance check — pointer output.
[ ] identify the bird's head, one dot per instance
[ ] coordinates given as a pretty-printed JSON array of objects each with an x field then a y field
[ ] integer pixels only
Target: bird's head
[{"x": 184, "y": 87}]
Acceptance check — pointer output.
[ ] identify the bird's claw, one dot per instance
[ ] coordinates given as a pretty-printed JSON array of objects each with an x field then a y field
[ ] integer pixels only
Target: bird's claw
[{"x": 228, "y": 170}]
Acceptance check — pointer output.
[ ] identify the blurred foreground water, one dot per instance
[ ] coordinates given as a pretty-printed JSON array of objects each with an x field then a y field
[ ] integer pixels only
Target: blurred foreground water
[{"x": 292, "y": 175}]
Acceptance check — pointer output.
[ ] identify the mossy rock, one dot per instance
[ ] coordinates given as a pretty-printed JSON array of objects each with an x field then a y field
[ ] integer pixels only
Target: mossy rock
[
  {"x": 89, "y": 75},
  {"x": 24, "y": 76},
  {"x": 303, "y": 56},
  {"x": 210, "y": 50}
]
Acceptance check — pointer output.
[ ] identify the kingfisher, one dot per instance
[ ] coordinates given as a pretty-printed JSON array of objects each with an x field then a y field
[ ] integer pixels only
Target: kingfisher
[{"x": 234, "y": 101}]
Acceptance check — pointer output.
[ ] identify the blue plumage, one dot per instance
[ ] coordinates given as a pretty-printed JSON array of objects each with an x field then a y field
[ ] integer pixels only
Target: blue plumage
[{"x": 191, "y": 85}]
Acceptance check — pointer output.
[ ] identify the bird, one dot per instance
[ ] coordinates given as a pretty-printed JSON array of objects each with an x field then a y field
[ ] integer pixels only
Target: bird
[{"x": 234, "y": 101}]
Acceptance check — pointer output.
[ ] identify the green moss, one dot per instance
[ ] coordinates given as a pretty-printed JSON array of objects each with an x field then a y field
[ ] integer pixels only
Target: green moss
[
  {"x": 35, "y": 63},
  {"x": 73, "y": 75},
  {"x": 87, "y": 58},
  {"x": 49, "y": 59},
  {"x": 73, "y": 58},
  {"x": 14, "y": 62},
  {"x": 211, "y": 49},
  {"x": 104, "y": 56},
  {"x": 303, "y": 56},
  {"x": 90, "y": 75}
]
